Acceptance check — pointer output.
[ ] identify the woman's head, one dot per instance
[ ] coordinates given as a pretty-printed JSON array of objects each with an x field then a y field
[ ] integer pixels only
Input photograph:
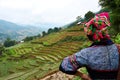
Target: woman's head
[
  {"x": 104, "y": 14},
  {"x": 96, "y": 28}
]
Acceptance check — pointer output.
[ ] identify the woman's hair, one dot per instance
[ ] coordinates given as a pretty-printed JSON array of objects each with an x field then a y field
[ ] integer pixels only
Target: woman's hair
[{"x": 90, "y": 37}]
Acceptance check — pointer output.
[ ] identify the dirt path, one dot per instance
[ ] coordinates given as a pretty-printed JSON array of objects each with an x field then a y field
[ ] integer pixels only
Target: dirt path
[{"x": 58, "y": 76}]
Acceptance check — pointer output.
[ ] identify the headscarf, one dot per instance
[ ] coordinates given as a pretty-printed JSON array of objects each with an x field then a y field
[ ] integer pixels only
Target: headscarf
[{"x": 97, "y": 27}]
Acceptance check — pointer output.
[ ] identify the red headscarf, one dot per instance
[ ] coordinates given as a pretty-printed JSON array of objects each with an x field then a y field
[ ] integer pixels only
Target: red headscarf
[{"x": 97, "y": 26}]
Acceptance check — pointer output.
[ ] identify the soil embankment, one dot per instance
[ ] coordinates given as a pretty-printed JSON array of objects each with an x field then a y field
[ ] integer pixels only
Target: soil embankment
[{"x": 58, "y": 76}]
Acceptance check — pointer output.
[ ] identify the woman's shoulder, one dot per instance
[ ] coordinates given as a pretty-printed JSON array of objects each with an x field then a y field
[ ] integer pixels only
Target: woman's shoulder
[{"x": 98, "y": 48}]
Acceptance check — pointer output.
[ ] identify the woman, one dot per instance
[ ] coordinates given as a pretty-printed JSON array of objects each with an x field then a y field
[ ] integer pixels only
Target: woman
[{"x": 101, "y": 59}]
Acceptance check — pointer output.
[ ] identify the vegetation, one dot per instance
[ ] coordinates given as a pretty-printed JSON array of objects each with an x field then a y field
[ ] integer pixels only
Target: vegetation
[
  {"x": 1, "y": 49},
  {"x": 56, "y": 29},
  {"x": 29, "y": 38},
  {"x": 15, "y": 31},
  {"x": 38, "y": 57},
  {"x": 79, "y": 19},
  {"x": 41, "y": 55},
  {"x": 89, "y": 15},
  {"x": 8, "y": 42},
  {"x": 114, "y": 8},
  {"x": 117, "y": 39},
  {"x": 50, "y": 30}
]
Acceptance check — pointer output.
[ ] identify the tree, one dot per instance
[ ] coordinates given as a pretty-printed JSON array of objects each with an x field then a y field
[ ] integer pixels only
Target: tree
[
  {"x": 39, "y": 35},
  {"x": 56, "y": 29},
  {"x": 44, "y": 33},
  {"x": 1, "y": 49},
  {"x": 89, "y": 15},
  {"x": 103, "y": 10},
  {"x": 114, "y": 8},
  {"x": 8, "y": 42},
  {"x": 50, "y": 30},
  {"x": 29, "y": 38},
  {"x": 79, "y": 18},
  {"x": 110, "y": 4}
]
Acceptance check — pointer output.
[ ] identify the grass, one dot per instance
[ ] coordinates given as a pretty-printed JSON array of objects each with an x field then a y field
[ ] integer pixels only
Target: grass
[{"x": 37, "y": 58}]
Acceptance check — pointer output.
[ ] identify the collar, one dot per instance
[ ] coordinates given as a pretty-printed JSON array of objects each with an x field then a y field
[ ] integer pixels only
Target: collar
[{"x": 103, "y": 42}]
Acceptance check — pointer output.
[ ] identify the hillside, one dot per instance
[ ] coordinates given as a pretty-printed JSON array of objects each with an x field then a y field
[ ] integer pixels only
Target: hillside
[
  {"x": 15, "y": 31},
  {"x": 35, "y": 59}
]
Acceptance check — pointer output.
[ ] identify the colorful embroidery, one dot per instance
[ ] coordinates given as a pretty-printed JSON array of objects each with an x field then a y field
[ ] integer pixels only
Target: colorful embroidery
[
  {"x": 73, "y": 61},
  {"x": 97, "y": 27}
]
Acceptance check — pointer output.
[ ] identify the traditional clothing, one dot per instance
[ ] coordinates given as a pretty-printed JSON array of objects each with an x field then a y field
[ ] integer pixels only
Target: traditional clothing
[{"x": 102, "y": 58}]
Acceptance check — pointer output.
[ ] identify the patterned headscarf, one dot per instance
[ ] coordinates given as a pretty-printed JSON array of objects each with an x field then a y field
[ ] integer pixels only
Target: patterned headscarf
[{"x": 97, "y": 27}]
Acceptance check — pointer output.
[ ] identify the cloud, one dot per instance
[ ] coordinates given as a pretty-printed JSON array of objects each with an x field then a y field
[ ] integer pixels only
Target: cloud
[{"x": 52, "y": 11}]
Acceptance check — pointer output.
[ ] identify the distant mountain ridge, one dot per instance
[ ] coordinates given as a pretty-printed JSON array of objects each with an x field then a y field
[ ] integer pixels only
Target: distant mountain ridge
[
  {"x": 19, "y": 32},
  {"x": 15, "y": 31}
]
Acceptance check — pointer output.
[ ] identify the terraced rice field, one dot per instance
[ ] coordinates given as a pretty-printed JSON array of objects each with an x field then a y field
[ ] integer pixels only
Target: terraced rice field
[{"x": 35, "y": 59}]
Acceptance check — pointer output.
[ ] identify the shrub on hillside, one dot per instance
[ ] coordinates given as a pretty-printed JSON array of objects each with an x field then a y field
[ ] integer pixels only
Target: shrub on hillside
[
  {"x": 79, "y": 38},
  {"x": 117, "y": 39},
  {"x": 8, "y": 42},
  {"x": 81, "y": 29},
  {"x": 74, "y": 38},
  {"x": 1, "y": 49},
  {"x": 29, "y": 38}
]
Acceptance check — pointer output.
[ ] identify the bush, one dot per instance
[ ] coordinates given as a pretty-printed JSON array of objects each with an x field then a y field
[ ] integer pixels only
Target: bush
[
  {"x": 29, "y": 38},
  {"x": 81, "y": 29},
  {"x": 8, "y": 42},
  {"x": 117, "y": 39},
  {"x": 74, "y": 38},
  {"x": 78, "y": 38},
  {"x": 1, "y": 49}
]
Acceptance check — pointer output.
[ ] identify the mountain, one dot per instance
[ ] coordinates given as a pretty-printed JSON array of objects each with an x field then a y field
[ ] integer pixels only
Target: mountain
[
  {"x": 46, "y": 26},
  {"x": 16, "y": 31},
  {"x": 3, "y": 37}
]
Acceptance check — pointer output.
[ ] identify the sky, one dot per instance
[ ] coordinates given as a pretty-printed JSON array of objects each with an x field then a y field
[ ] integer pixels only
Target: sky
[{"x": 45, "y": 11}]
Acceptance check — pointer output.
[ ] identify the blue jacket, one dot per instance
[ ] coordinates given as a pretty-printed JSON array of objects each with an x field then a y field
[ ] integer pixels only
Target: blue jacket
[{"x": 101, "y": 61}]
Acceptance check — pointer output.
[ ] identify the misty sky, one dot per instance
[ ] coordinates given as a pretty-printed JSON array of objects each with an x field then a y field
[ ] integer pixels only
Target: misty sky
[{"x": 45, "y": 11}]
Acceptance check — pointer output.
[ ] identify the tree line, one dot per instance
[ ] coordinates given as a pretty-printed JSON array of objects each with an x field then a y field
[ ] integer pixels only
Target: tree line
[
  {"x": 111, "y": 6},
  {"x": 50, "y": 30},
  {"x": 9, "y": 42}
]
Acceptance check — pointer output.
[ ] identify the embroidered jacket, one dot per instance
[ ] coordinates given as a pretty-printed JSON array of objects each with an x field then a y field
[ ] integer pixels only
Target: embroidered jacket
[{"x": 97, "y": 58}]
